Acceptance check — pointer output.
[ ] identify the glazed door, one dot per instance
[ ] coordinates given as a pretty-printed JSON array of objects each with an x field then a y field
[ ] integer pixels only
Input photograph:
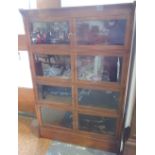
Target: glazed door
[
  {"x": 53, "y": 66},
  {"x": 53, "y": 32},
  {"x": 49, "y": 31},
  {"x": 99, "y": 33}
]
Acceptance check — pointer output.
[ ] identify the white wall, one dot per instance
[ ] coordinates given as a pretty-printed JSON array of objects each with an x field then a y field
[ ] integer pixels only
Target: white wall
[{"x": 67, "y": 3}]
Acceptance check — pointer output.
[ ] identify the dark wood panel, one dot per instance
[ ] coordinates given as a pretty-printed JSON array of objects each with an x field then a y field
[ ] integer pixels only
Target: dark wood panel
[
  {"x": 51, "y": 49},
  {"x": 26, "y": 101},
  {"x": 123, "y": 9},
  {"x": 59, "y": 106},
  {"x": 79, "y": 139},
  {"x": 130, "y": 147},
  {"x": 97, "y": 111}
]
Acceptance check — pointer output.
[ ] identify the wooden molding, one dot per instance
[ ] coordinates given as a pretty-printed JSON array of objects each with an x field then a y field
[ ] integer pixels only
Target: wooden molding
[
  {"x": 26, "y": 100},
  {"x": 130, "y": 147},
  {"x": 22, "y": 45}
]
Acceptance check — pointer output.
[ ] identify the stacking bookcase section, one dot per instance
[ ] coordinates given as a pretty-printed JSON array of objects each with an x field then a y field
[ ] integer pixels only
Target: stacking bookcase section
[{"x": 58, "y": 118}]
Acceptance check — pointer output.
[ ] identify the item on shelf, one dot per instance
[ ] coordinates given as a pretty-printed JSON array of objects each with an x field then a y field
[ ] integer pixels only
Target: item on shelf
[
  {"x": 34, "y": 37},
  {"x": 109, "y": 32},
  {"x": 99, "y": 68},
  {"x": 89, "y": 69},
  {"x": 50, "y": 33},
  {"x": 67, "y": 72},
  {"x": 52, "y": 71},
  {"x": 82, "y": 93},
  {"x": 53, "y": 65},
  {"x": 38, "y": 37},
  {"x": 92, "y": 32},
  {"x": 67, "y": 120},
  {"x": 86, "y": 68},
  {"x": 105, "y": 76}
]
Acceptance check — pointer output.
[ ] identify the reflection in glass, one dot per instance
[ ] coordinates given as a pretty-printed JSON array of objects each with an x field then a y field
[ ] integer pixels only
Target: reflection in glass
[
  {"x": 99, "y": 68},
  {"x": 55, "y": 94},
  {"x": 97, "y": 124},
  {"x": 98, "y": 98},
  {"x": 106, "y": 32},
  {"x": 50, "y": 32},
  {"x": 53, "y": 66},
  {"x": 56, "y": 117}
]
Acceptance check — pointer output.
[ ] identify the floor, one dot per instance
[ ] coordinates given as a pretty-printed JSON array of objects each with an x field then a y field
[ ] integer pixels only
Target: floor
[{"x": 30, "y": 144}]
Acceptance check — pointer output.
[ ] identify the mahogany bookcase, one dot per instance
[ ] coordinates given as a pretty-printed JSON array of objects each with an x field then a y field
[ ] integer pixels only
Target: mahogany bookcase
[{"x": 79, "y": 59}]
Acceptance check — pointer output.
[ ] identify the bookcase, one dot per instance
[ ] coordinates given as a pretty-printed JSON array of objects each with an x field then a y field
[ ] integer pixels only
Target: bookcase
[{"x": 79, "y": 58}]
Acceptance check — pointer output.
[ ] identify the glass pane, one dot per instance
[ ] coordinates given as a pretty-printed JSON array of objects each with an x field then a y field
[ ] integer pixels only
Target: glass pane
[
  {"x": 97, "y": 124},
  {"x": 55, "y": 94},
  {"x": 104, "y": 32},
  {"x": 98, "y": 98},
  {"x": 99, "y": 68},
  {"x": 56, "y": 117},
  {"x": 50, "y": 32},
  {"x": 53, "y": 66}
]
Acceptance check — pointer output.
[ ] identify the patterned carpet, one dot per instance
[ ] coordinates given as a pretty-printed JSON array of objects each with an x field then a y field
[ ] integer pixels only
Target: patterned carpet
[
  {"x": 28, "y": 143},
  {"x": 59, "y": 148}
]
